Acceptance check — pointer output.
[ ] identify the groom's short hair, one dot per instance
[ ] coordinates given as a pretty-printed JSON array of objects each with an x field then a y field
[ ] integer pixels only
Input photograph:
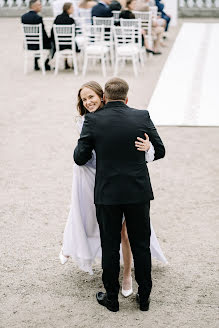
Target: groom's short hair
[
  {"x": 32, "y": 2},
  {"x": 116, "y": 89}
]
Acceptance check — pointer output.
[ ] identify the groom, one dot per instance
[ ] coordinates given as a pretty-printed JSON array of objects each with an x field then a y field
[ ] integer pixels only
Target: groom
[{"x": 122, "y": 187}]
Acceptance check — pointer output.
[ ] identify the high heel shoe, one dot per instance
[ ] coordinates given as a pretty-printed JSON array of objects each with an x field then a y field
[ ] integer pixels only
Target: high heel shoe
[
  {"x": 63, "y": 259},
  {"x": 127, "y": 292},
  {"x": 157, "y": 53},
  {"x": 149, "y": 51}
]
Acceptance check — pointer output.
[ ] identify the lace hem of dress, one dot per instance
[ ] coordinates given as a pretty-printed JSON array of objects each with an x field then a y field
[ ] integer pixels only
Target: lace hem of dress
[{"x": 84, "y": 265}]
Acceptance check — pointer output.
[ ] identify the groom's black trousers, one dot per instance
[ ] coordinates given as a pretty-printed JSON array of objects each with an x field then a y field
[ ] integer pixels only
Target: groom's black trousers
[{"x": 137, "y": 218}]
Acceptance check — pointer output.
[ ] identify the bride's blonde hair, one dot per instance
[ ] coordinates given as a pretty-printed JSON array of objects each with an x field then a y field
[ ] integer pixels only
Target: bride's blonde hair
[{"x": 94, "y": 86}]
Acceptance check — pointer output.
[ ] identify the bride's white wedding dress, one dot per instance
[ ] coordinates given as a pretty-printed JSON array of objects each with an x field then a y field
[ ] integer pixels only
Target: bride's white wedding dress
[{"x": 81, "y": 239}]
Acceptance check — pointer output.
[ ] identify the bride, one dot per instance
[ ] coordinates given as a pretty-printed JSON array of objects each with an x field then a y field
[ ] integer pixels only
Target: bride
[{"x": 81, "y": 239}]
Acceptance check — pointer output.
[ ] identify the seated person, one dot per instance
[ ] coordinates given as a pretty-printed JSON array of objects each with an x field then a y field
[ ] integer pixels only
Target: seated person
[
  {"x": 128, "y": 14},
  {"x": 33, "y": 18},
  {"x": 102, "y": 9},
  {"x": 144, "y": 5},
  {"x": 64, "y": 19},
  {"x": 84, "y": 10},
  {"x": 167, "y": 18},
  {"x": 158, "y": 25},
  {"x": 115, "y": 5},
  {"x": 87, "y": 4}
]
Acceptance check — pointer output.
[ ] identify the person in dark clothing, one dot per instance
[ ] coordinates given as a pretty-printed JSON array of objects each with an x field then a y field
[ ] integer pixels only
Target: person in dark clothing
[
  {"x": 166, "y": 17},
  {"x": 102, "y": 9},
  {"x": 33, "y": 18},
  {"x": 128, "y": 14},
  {"x": 115, "y": 5},
  {"x": 64, "y": 19}
]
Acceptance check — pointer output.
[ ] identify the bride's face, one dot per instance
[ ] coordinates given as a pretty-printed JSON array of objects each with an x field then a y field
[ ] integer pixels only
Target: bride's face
[{"x": 90, "y": 99}]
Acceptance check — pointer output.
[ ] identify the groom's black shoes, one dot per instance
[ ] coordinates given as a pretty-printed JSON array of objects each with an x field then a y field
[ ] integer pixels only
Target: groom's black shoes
[
  {"x": 112, "y": 305},
  {"x": 144, "y": 303}
]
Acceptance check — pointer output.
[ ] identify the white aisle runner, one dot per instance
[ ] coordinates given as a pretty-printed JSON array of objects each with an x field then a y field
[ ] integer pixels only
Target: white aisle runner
[{"x": 187, "y": 92}]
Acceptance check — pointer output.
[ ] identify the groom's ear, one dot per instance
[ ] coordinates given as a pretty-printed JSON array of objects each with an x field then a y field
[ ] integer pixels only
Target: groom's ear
[
  {"x": 104, "y": 99},
  {"x": 126, "y": 100}
]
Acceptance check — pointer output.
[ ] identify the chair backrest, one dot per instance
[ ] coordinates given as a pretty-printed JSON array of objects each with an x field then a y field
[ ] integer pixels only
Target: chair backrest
[
  {"x": 105, "y": 21},
  {"x": 136, "y": 24},
  {"x": 86, "y": 14},
  {"x": 116, "y": 14},
  {"x": 108, "y": 24},
  {"x": 94, "y": 34},
  {"x": 130, "y": 22},
  {"x": 80, "y": 23},
  {"x": 146, "y": 20},
  {"x": 32, "y": 35},
  {"x": 64, "y": 35},
  {"x": 124, "y": 35}
]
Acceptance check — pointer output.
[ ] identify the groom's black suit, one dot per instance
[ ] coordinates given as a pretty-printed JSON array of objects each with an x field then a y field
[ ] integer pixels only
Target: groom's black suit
[{"x": 122, "y": 186}]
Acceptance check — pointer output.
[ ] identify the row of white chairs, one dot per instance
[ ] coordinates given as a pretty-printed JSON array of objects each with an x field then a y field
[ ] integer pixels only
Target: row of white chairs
[
  {"x": 144, "y": 17},
  {"x": 123, "y": 43}
]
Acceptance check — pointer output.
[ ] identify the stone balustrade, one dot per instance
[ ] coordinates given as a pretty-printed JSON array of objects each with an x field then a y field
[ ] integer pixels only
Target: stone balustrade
[
  {"x": 192, "y": 8},
  {"x": 198, "y": 8},
  {"x": 21, "y": 3}
]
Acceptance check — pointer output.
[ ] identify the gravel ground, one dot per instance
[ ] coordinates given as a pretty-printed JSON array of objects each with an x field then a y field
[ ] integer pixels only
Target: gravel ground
[{"x": 37, "y": 138}]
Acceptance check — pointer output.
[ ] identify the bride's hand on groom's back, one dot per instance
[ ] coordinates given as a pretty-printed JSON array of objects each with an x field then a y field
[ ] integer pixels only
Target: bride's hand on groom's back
[{"x": 143, "y": 144}]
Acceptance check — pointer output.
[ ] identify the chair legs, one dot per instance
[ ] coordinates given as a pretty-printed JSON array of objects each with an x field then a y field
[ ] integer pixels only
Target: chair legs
[
  {"x": 134, "y": 58},
  {"x": 25, "y": 63},
  {"x": 85, "y": 64},
  {"x": 103, "y": 59},
  {"x": 116, "y": 66},
  {"x": 112, "y": 55},
  {"x": 142, "y": 57},
  {"x": 75, "y": 64},
  {"x": 56, "y": 63},
  {"x": 135, "y": 62},
  {"x": 42, "y": 64},
  {"x": 72, "y": 55},
  {"x": 103, "y": 63}
]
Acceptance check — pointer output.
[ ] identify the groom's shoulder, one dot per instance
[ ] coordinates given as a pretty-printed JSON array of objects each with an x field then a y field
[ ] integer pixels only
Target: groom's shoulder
[{"x": 139, "y": 112}]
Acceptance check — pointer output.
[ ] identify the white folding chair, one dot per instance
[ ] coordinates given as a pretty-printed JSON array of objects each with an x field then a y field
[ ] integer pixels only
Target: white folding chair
[
  {"x": 65, "y": 36},
  {"x": 79, "y": 32},
  {"x": 86, "y": 14},
  {"x": 125, "y": 47},
  {"x": 108, "y": 24},
  {"x": 136, "y": 24},
  {"x": 33, "y": 38},
  {"x": 146, "y": 23},
  {"x": 116, "y": 14},
  {"x": 94, "y": 46}
]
